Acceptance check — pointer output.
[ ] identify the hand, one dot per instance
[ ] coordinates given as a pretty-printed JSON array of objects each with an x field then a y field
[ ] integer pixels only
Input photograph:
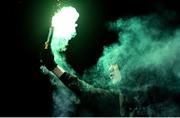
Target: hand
[{"x": 47, "y": 59}]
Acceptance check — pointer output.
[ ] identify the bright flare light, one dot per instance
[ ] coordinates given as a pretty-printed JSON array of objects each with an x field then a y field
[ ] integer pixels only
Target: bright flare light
[{"x": 64, "y": 23}]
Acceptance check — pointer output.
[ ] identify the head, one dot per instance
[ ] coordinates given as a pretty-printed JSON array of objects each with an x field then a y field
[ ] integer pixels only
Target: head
[{"x": 114, "y": 73}]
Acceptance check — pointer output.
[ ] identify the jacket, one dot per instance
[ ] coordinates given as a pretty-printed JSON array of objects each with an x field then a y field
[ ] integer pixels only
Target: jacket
[{"x": 99, "y": 101}]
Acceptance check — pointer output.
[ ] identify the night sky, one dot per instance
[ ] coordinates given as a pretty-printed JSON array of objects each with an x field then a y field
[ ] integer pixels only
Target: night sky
[{"x": 24, "y": 91}]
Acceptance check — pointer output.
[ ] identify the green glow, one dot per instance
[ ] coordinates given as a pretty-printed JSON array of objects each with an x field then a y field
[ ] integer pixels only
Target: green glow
[
  {"x": 146, "y": 50},
  {"x": 147, "y": 53},
  {"x": 64, "y": 22}
]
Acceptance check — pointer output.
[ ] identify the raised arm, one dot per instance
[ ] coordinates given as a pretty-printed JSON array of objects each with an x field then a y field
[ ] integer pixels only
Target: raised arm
[{"x": 105, "y": 102}]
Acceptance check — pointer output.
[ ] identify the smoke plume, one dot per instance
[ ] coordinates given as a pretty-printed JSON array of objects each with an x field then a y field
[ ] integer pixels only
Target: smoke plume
[
  {"x": 64, "y": 23},
  {"x": 65, "y": 102},
  {"x": 147, "y": 53}
]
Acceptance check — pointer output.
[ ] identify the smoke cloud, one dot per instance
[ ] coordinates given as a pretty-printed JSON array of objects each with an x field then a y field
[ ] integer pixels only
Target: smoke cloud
[
  {"x": 147, "y": 53},
  {"x": 65, "y": 102},
  {"x": 64, "y": 23}
]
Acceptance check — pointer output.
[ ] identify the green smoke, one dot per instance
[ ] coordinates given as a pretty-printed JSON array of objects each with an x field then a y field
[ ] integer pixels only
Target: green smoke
[
  {"x": 64, "y": 23},
  {"x": 64, "y": 101},
  {"x": 147, "y": 53}
]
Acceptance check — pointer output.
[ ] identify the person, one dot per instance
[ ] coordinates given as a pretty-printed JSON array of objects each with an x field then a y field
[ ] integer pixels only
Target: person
[
  {"x": 143, "y": 100},
  {"x": 99, "y": 101}
]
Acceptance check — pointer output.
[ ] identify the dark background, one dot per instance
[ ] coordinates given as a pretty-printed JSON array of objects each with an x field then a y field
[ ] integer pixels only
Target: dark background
[{"x": 26, "y": 23}]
